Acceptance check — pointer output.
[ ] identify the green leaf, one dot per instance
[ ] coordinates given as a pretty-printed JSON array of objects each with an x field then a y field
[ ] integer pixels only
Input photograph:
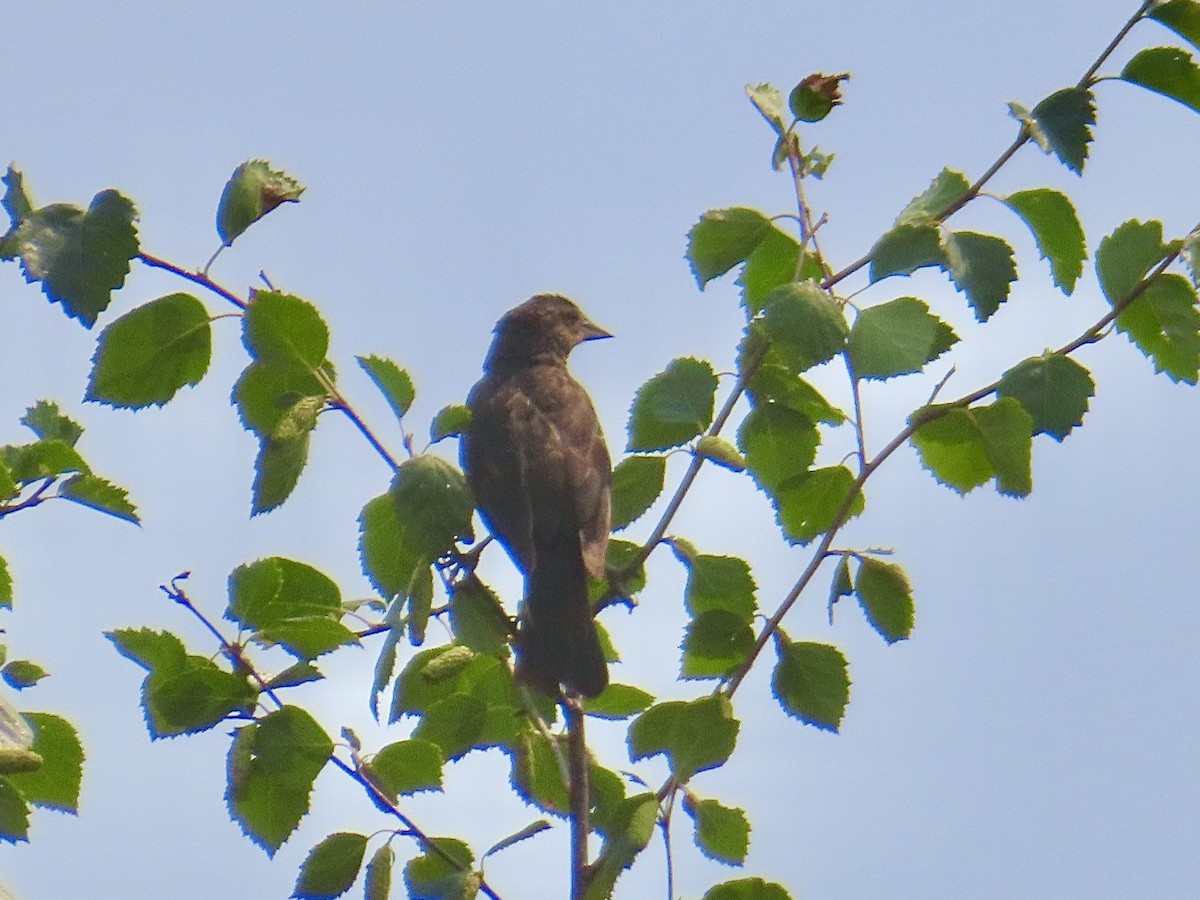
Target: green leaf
[
  {"x": 808, "y": 505},
  {"x": 722, "y": 832},
  {"x": 8, "y": 484},
  {"x": 6, "y": 586},
  {"x": 307, "y": 638},
  {"x": 805, "y": 325},
  {"x": 14, "y": 814},
  {"x": 1165, "y": 325},
  {"x": 431, "y": 876},
  {"x": 630, "y": 830},
  {"x": 449, "y": 422},
  {"x": 393, "y": 382},
  {"x": 1062, "y": 124},
  {"x": 695, "y": 736},
  {"x": 769, "y": 102},
  {"x": 1056, "y": 229},
  {"x": 379, "y": 874},
  {"x": 253, "y": 190},
  {"x": 285, "y": 330},
  {"x": 810, "y": 682},
  {"x": 715, "y": 643},
  {"x": 149, "y": 649},
  {"x": 963, "y": 448},
  {"x": 886, "y": 598},
  {"x": 331, "y": 867},
  {"x": 636, "y": 483},
  {"x": 269, "y": 395},
  {"x": 277, "y": 470},
  {"x": 722, "y": 239},
  {"x": 21, "y": 673},
  {"x": 272, "y": 765},
  {"x": 407, "y": 767},
  {"x": 905, "y": 249},
  {"x": 897, "y": 338},
  {"x": 16, "y": 200},
  {"x": 842, "y": 586},
  {"x": 477, "y": 618},
  {"x": 673, "y": 406},
  {"x": 1168, "y": 71},
  {"x": 982, "y": 267},
  {"x": 454, "y": 724},
  {"x": 79, "y": 256},
  {"x": 618, "y": 701},
  {"x": 778, "y": 444},
  {"x": 95, "y": 492},
  {"x": 747, "y": 889},
  {"x": 1054, "y": 389},
  {"x": 295, "y": 675},
  {"x": 1126, "y": 256},
  {"x": 530, "y": 830},
  {"x": 929, "y": 208},
  {"x": 45, "y": 420},
  {"x": 536, "y": 775},
  {"x": 774, "y": 262},
  {"x": 1182, "y": 17},
  {"x": 193, "y": 697},
  {"x": 777, "y": 383},
  {"x": 815, "y": 96},
  {"x": 32, "y": 462},
  {"x": 275, "y": 590},
  {"x": 55, "y": 784},
  {"x": 720, "y": 582},
  {"x": 147, "y": 355}
]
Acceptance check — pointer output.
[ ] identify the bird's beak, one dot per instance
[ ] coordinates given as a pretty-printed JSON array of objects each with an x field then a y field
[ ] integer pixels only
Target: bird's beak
[{"x": 590, "y": 331}]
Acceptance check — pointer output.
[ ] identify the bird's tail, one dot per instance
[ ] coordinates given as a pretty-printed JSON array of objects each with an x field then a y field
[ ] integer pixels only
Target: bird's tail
[{"x": 557, "y": 643}]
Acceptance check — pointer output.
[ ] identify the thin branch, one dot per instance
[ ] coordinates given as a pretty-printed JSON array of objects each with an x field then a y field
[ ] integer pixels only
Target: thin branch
[
  {"x": 579, "y": 795},
  {"x": 200, "y": 278}
]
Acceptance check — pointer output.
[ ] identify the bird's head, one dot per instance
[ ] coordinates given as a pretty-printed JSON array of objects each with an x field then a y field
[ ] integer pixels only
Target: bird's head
[{"x": 547, "y": 326}]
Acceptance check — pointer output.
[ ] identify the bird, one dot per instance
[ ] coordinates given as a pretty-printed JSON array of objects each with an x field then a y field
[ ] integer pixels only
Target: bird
[{"x": 536, "y": 461}]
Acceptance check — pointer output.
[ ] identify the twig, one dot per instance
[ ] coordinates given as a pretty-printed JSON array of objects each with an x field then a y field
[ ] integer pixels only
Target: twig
[
  {"x": 200, "y": 278},
  {"x": 579, "y": 797}
]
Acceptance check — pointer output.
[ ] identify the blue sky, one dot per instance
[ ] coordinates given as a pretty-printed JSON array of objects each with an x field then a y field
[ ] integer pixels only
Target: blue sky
[{"x": 1037, "y": 735}]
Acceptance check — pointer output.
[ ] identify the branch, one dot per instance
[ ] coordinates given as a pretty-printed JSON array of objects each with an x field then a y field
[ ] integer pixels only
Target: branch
[
  {"x": 580, "y": 800},
  {"x": 200, "y": 278}
]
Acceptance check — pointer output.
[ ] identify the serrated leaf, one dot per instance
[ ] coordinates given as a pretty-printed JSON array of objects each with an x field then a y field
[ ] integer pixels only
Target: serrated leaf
[
  {"x": 79, "y": 256},
  {"x": 776, "y": 383},
  {"x": 272, "y": 765},
  {"x": 21, "y": 674},
  {"x": 805, "y": 325},
  {"x": 1064, "y": 121},
  {"x": 774, "y": 262},
  {"x": 454, "y": 723},
  {"x": 842, "y": 586},
  {"x": 905, "y": 249},
  {"x": 407, "y": 767},
  {"x": 379, "y": 874},
  {"x": 1126, "y": 256},
  {"x": 32, "y": 462},
  {"x": 1165, "y": 325},
  {"x": 778, "y": 443},
  {"x": 145, "y": 357},
  {"x": 6, "y": 586},
  {"x": 618, "y": 701},
  {"x": 275, "y": 590},
  {"x": 673, "y": 406},
  {"x": 149, "y": 649},
  {"x": 331, "y": 867},
  {"x": 530, "y": 830},
  {"x": 95, "y": 492},
  {"x": 963, "y": 448},
  {"x": 16, "y": 200},
  {"x": 393, "y": 382},
  {"x": 14, "y": 814},
  {"x": 808, "y": 505},
  {"x": 268, "y": 394},
  {"x": 1168, "y": 71},
  {"x": 811, "y": 682},
  {"x": 722, "y": 832},
  {"x": 694, "y": 736},
  {"x": 54, "y": 784},
  {"x": 193, "y": 697},
  {"x": 1182, "y": 17},
  {"x": 720, "y": 582},
  {"x": 747, "y": 889},
  {"x": 886, "y": 598},
  {"x": 630, "y": 830},
  {"x": 431, "y": 876},
  {"x": 280, "y": 329},
  {"x": 46, "y": 421},
  {"x": 307, "y": 638},
  {"x": 722, "y": 239},
  {"x": 253, "y": 190},
  {"x": 928, "y": 208},
  {"x": 815, "y": 96},
  {"x": 277, "y": 470},
  {"x": 982, "y": 267},
  {"x": 449, "y": 422},
  {"x": 477, "y": 618},
  {"x": 1054, "y": 389},
  {"x": 715, "y": 643},
  {"x": 769, "y": 102},
  {"x": 1056, "y": 229},
  {"x": 897, "y": 338},
  {"x": 294, "y": 675},
  {"x": 636, "y": 483}
]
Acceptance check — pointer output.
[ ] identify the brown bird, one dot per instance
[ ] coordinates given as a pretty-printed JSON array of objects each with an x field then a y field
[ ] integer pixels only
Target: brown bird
[{"x": 536, "y": 461}]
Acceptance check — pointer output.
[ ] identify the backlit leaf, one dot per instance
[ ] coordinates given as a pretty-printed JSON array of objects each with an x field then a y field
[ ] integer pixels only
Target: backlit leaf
[
  {"x": 673, "y": 406},
  {"x": 1056, "y": 229},
  {"x": 897, "y": 338}
]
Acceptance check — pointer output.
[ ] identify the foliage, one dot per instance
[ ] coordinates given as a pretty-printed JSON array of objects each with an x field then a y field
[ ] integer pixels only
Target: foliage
[{"x": 459, "y": 696}]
